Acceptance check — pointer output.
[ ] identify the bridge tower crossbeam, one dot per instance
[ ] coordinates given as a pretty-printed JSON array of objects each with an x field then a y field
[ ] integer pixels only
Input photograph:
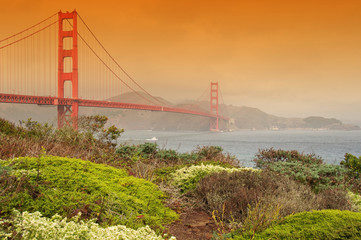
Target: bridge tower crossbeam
[{"x": 68, "y": 114}]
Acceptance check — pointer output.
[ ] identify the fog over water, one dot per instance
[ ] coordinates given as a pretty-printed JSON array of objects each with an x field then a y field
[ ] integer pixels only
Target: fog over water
[{"x": 330, "y": 145}]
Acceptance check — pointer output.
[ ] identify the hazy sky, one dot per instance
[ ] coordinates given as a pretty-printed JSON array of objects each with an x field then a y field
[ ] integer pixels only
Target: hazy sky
[{"x": 286, "y": 57}]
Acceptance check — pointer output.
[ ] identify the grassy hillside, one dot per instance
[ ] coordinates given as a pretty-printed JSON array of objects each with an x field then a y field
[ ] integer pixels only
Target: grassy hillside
[{"x": 71, "y": 183}]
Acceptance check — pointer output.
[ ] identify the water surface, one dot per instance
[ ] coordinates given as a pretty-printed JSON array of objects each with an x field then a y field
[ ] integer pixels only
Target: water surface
[{"x": 330, "y": 145}]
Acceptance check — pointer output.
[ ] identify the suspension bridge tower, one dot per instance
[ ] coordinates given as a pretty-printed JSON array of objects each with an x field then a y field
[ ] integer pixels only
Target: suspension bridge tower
[
  {"x": 68, "y": 114},
  {"x": 214, "y": 107}
]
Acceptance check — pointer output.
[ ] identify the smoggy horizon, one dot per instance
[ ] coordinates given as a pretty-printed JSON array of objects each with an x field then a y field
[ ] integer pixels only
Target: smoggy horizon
[{"x": 287, "y": 58}]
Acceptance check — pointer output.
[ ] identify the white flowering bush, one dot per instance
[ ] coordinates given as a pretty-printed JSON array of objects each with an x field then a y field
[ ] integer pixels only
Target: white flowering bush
[
  {"x": 34, "y": 226},
  {"x": 355, "y": 200},
  {"x": 187, "y": 178}
]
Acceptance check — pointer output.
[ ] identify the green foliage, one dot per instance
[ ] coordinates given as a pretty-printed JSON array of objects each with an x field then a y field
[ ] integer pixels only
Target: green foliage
[
  {"x": 170, "y": 155},
  {"x": 4, "y": 169},
  {"x": 260, "y": 216},
  {"x": 7, "y": 128},
  {"x": 163, "y": 158},
  {"x": 165, "y": 174},
  {"x": 238, "y": 191},
  {"x": 94, "y": 143},
  {"x": 209, "y": 152},
  {"x": 188, "y": 177},
  {"x": 111, "y": 134},
  {"x": 265, "y": 157},
  {"x": 92, "y": 124},
  {"x": 126, "y": 151},
  {"x": 319, "y": 177},
  {"x": 147, "y": 150},
  {"x": 67, "y": 186},
  {"x": 325, "y": 224},
  {"x": 352, "y": 163},
  {"x": 37, "y": 130},
  {"x": 89, "y": 126},
  {"x": 306, "y": 169}
]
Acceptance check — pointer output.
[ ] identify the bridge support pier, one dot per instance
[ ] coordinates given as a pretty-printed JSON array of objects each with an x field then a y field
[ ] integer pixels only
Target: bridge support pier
[
  {"x": 214, "y": 126},
  {"x": 68, "y": 114}
]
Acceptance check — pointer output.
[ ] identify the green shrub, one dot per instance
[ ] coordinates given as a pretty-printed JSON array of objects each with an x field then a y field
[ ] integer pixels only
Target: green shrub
[
  {"x": 126, "y": 151},
  {"x": 187, "y": 178},
  {"x": 169, "y": 155},
  {"x": 307, "y": 169},
  {"x": 68, "y": 186},
  {"x": 29, "y": 138},
  {"x": 238, "y": 191},
  {"x": 147, "y": 150},
  {"x": 166, "y": 174},
  {"x": 152, "y": 151},
  {"x": 265, "y": 157},
  {"x": 7, "y": 128},
  {"x": 353, "y": 164},
  {"x": 318, "y": 177},
  {"x": 37, "y": 130},
  {"x": 209, "y": 152},
  {"x": 325, "y": 224}
]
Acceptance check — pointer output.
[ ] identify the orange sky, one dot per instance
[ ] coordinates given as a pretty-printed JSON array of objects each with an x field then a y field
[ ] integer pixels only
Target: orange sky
[{"x": 286, "y": 57}]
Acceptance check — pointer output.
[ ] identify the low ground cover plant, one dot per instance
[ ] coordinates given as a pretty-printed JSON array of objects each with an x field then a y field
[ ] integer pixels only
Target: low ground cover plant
[
  {"x": 56, "y": 185},
  {"x": 325, "y": 224}
]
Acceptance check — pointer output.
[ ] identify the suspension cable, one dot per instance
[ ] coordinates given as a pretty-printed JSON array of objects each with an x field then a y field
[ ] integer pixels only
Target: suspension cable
[
  {"x": 29, "y": 35},
  {"x": 194, "y": 103},
  {"x": 223, "y": 101},
  {"x": 28, "y": 28},
  {"x": 91, "y": 49},
  {"x": 119, "y": 64}
]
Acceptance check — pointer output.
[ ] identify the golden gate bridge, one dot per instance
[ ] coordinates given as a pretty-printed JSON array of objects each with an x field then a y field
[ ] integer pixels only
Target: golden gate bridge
[{"x": 86, "y": 74}]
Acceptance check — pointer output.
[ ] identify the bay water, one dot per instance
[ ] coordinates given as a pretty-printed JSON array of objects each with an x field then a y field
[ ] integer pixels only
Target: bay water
[{"x": 330, "y": 145}]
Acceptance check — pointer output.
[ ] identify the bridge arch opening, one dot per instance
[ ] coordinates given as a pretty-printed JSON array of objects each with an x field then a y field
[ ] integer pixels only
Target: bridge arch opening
[
  {"x": 68, "y": 65},
  {"x": 68, "y": 89},
  {"x": 68, "y": 43},
  {"x": 68, "y": 24}
]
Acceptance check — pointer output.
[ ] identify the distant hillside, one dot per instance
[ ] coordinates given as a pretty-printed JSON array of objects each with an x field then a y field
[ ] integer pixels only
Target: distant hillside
[{"x": 244, "y": 117}]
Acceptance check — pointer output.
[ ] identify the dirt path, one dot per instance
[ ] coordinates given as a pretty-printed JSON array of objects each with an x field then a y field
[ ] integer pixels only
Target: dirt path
[{"x": 193, "y": 225}]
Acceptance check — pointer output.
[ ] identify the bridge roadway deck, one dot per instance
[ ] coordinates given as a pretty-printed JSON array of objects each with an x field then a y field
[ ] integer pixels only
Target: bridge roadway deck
[{"x": 42, "y": 100}]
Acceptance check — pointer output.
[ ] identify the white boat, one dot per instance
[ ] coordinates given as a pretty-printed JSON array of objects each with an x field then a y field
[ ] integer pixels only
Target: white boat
[{"x": 152, "y": 139}]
